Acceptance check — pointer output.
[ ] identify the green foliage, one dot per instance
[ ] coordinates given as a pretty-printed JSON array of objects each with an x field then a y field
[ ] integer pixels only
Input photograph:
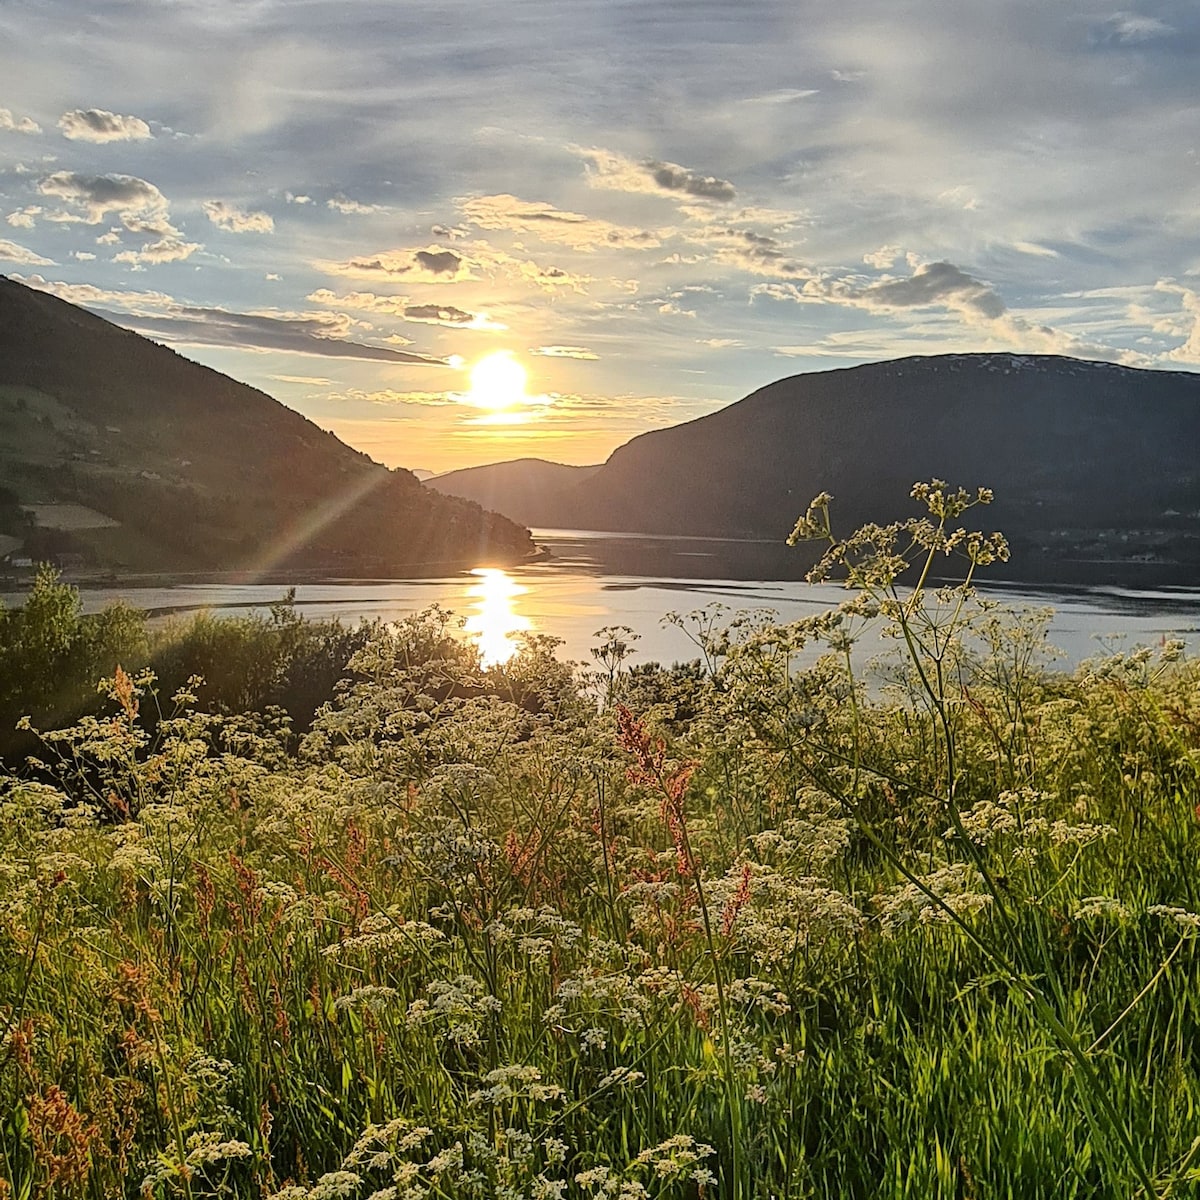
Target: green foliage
[
  {"x": 51, "y": 654},
  {"x": 756, "y": 927}
]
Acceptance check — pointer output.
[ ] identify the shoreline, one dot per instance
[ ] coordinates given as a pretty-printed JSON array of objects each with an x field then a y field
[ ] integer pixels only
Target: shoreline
[{"x": 20, "y": 579}]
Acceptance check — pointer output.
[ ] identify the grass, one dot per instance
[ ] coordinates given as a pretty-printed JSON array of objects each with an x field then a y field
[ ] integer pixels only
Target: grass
[{"x": 745, "y": 931}]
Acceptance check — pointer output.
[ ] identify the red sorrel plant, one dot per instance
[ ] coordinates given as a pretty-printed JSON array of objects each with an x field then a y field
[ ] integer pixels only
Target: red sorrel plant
[{"x": 652, "y": 769}]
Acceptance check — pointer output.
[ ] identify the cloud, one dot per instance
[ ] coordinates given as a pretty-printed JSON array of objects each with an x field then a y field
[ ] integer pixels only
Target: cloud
[
  {"x": 10, "y": 123},
  {"x": 720, "y": 343},
  {"x": 1189, "y": 303},
  {"x": 402, "y": 307},
  {"x": 388, "y": 396},
  {"x": 235, "y": 220},
  {"x": 99, "y": 125},
  {"x": 748, "y": 250},
  {"x": 314, "y": 334},
  {"x": 344, "y": 204},
  {"x": 87, "y": 295},
  {"x": 142, "y": 209},
  {"x": 23, "y": 218},
  {"x": 11, "y": 252},
  {"x": 579, "y": 352},
  {"x": 1034, "y": 249},
  {"x": 99, "y": 195},
  {"x": 782, "y": 96},
  {"x": 438, "y": 262},
  {"x": 434, "y": 264},
  {"x": 552, "y": 224},
  {"x": 674, "y": 178},
  {"x": 653, "y": 176},
  {"x": 1128, "y": 29},
  {"x": 487, "y": 258},
  {"x": 292, "y": 198},
  {"x": 939, "y": 284},
  {"x": 882, "y": 259},
  {"x": 363, "y": 301},
  {"x": 943, "y": 285},
  {"x": 167, "y": 249},
  {"x": 162, "y": 317},
  {"x": 467, "y": 261},
  {"x": 309, "y": 380},
  {"x": 447, "y": 314}
]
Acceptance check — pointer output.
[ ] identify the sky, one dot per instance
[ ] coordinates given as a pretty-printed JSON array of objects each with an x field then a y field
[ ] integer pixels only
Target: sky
[{"x": 652, "y": 207}]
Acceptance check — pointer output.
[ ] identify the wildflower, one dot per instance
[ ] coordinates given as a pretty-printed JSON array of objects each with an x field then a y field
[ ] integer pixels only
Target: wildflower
[
  {"x": 1187, "y": 922},
  {"x": 1100, "y": 907}
]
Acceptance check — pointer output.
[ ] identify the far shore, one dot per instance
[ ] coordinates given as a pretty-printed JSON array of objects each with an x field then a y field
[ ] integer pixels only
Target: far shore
[{"x": 18, "y": 579}]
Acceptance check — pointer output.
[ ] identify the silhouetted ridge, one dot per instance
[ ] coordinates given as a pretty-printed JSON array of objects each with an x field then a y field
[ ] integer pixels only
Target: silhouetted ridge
[
  {"x": 197, "y": 470},
  {"x": 526, "y": 489}
]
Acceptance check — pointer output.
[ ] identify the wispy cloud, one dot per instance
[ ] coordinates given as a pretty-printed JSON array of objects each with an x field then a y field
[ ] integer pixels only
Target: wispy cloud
[
  {"x": 315, "y": 334},
  {"x": 389, "y": 396},
  {"x": 346, "y": 206},
  {"x": 551, "y": 224},
  {"x": 579, "y": 352},
  {"x": 309, "y": 380},
  {"x": 161, "y": 316},
  {"x": 88, "y": 295},
  {"x": 11, "y": 252},
  {"x": 1128, "y": 29}
]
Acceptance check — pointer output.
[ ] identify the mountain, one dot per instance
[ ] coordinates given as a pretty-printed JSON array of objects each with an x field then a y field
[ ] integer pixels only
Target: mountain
[
  {"x": 526, "y": 489},
  {"x": 116, "y": 452},
  {"x": 1090, "y": 462}
]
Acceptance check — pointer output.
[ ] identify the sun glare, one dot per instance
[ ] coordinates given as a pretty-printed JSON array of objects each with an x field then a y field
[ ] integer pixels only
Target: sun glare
[
  {"x": 495, "y": 619},
  {"x": 498, "y": 382}
]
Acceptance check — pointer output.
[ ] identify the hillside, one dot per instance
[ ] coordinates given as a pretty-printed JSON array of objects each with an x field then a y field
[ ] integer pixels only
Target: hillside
[
  {"x": 1091, "y": 463},
  {"x": 528, "y": 490},
  {"x": 117, "y": 453}
]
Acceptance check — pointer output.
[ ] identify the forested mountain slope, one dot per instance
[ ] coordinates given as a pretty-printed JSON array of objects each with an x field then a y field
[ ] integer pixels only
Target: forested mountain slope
[{"x": 172, "y": 466}]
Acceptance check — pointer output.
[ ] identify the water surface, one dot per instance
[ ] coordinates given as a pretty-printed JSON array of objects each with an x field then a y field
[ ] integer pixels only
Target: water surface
[{"x": 594, "y": 580}]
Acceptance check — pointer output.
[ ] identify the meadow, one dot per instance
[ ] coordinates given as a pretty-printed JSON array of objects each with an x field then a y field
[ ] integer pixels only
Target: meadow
[{"x": 735, "y": 928}]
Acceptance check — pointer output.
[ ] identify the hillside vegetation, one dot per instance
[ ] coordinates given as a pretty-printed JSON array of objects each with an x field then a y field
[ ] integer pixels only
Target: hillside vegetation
[
  {"x": 732, "y": 928},
  {"x": 183, "y": 468}
]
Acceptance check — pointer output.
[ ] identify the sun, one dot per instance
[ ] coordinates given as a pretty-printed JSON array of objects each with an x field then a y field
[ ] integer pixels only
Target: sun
[{"x": 498, "y": 382}]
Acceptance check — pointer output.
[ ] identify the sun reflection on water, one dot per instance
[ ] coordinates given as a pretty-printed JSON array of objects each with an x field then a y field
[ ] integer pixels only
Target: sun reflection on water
[{"x": 494, "y": 619}]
